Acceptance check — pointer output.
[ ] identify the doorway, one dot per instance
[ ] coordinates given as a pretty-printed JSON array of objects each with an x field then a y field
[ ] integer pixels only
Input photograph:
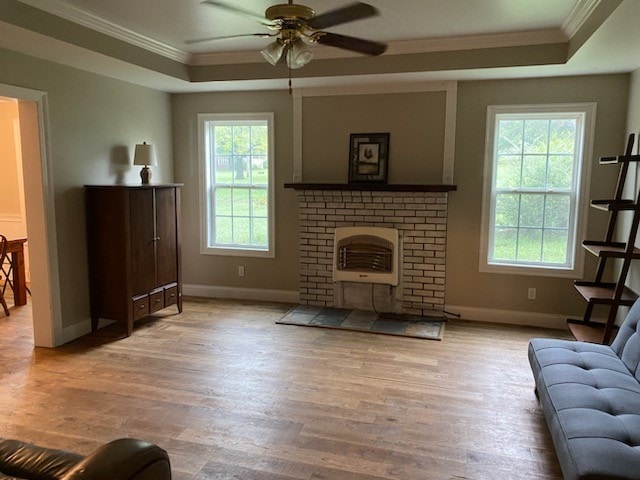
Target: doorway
[{"x": 31, "y": 128}]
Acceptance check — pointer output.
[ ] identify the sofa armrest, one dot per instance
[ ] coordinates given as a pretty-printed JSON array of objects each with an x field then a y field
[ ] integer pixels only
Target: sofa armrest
[
  {"x": 123, "y": 459},
  {"x": 24, "y": 460}
]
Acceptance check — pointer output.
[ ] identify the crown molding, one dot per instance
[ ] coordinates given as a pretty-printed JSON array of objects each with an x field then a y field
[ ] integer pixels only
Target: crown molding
[
  {"x": 76, "y": 15},
  {"x": 579, "y": 14}
]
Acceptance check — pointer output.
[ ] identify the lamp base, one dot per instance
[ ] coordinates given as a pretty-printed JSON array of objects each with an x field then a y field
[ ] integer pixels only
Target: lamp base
[{"x": 145, "y": 175}]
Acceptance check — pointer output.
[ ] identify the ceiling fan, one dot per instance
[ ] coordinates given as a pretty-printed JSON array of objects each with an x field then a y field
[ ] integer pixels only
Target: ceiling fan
[{"x": 292, "y": 24}]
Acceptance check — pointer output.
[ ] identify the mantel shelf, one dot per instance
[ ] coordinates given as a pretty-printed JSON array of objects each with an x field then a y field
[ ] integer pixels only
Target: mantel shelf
[{"x": 372, "y": 187}]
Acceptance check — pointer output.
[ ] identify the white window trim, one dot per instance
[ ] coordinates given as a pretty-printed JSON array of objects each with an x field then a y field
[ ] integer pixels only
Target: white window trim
[
  {"x": 588, "y": 110},
  {"x": 205, "y": 204}
]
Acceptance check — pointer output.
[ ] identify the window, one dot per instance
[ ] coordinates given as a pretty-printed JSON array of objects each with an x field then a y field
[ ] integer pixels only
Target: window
[
  {"x": 536, "y": 172},
  {"x": 236, "y": 153}
]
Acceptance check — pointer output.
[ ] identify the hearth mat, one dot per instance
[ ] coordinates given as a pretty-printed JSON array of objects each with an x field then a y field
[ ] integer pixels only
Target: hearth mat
[{"x": 431, "y": 328}]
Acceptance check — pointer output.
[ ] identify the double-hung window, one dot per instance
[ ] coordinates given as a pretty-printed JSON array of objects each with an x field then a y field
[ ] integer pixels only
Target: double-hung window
[
  {"x": 536, "y": 174},
  {"x": 237, "y": 170}
]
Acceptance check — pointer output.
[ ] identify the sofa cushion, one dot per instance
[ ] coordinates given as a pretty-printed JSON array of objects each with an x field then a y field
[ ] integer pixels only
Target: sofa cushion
[
  {"x": 592, "y": 405},
  {"x": 627, "y": 342}
]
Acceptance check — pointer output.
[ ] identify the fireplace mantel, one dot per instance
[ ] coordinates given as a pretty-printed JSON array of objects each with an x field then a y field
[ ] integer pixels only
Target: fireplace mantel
[{"x": 372, "y": 187}]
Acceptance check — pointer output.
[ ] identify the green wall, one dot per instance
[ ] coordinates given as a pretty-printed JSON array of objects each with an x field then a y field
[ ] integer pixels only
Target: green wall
[{"x": 94, "y": 124}]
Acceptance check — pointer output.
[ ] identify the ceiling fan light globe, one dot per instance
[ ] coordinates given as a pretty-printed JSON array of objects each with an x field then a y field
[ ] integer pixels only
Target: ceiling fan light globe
[
  {"x": 273, "y": 52},
  {"x": 299, "y": 61},
  {"x": 298, "y": 55}
]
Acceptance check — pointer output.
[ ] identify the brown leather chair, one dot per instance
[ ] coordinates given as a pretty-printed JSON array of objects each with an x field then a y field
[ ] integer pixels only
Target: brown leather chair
[
  {"x": 122, "y": 459},
  {"x": 3, "y": 257}
]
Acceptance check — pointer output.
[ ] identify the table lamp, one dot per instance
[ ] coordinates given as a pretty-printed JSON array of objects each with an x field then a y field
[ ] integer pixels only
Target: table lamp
[{"x": 145, "y": 155}]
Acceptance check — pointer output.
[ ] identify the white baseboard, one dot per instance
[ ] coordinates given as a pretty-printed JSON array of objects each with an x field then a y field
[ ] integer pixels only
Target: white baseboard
[
  {"x": 260, "y": 294},
  {"x": 511, "y": 317}
]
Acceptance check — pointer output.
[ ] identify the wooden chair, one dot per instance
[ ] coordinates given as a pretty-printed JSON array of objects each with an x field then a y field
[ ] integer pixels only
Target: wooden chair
[{"x": 3, "y": 257}]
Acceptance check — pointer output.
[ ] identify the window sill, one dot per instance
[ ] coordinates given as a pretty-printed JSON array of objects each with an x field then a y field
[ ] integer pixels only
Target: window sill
[
  {"x": 237, "y": 252},
  {"x": 505, "y": 269}
]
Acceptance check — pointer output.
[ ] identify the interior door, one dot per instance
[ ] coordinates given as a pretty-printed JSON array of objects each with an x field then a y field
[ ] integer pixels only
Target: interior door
[
  {"x": 142, "y": 240},
  {"x": 166, "y": 233}
]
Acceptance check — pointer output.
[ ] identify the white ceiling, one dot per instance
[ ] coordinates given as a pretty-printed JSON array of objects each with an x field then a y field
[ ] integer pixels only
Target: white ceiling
[
  {"x": 173, "y": 21},
  {"x": 409, "y": 26}
]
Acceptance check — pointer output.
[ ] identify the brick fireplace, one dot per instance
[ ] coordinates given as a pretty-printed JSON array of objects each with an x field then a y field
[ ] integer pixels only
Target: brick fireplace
[{"x": 418, "y": 212}]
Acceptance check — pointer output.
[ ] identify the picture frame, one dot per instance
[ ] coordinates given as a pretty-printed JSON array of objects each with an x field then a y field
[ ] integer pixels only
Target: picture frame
[{"x": 368, "y": 157}]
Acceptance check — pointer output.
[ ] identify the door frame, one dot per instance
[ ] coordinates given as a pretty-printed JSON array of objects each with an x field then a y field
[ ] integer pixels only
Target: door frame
[{"x": 40, "y": 214}]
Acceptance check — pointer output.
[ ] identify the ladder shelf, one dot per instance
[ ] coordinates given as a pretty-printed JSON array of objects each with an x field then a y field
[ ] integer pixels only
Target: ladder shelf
[{"x": 598, "y": 292}]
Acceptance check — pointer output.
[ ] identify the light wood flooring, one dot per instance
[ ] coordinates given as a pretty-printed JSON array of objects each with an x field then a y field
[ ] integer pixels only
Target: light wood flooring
[{"x": 231, "y": 395}]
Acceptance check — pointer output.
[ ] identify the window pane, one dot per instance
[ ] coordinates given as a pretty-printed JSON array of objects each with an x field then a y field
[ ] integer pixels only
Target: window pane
[
  {"x": 223, "y": 169},
  {"x": 241, "y": 145},
  {"x": 562, "y": 136},
  {"x": 555, "y": 246},
  {"x": 508, "y": 171},
  {"x": 241, "y": 231},
  {"x": 241, "y": 202},
  {"x": 536, "y": 136},
  {"x": 534, "y": 171},
  {"x": 531, "y": 210},
  {"x": 560, "y": 171},
  {"x": 509, "y": 137},
  {"x": 260, "y": 172},
  {"x": 222, "y": 201},
  {"x": 259, "y": 203},
  {"x": 224, "y": 230},
  {"x": 505, "y": 243},
  {"x": 529, "y": 244},
  {"x": 240, "y": 170},
  {"x": 507, "y": 210},
  {"x": 260, "y": 231},
  {"x": 222, "y": 142},
  {"x": 556, "y": 213},
  {"x": 259, "y": 140}
]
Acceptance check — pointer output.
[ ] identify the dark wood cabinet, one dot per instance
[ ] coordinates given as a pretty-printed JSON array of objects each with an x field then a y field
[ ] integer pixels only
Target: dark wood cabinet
[{"x": 133, "y": 235}]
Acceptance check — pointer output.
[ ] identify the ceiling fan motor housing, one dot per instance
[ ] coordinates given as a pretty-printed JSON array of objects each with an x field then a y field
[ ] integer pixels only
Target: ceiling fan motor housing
[{"x": 289, "y": 12}]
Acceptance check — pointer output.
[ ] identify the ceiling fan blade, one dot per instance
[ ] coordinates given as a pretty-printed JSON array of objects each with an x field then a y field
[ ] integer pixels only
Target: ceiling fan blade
[
  {"x": 348, "y": 13},
  {"x": 208, "y": 39},
  {"x": 368, "y": 47},
  {"x": 232, "y": 8}
]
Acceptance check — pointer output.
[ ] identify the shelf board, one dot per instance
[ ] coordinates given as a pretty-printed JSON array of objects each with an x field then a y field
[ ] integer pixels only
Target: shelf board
[
  {"x": 603, "y": 293},
  {"x": 611, "y": 205},
  {"x": 591, "y": 332},
  {"x": 609, "y": 249},
  {"x": 619, "y": 159}
]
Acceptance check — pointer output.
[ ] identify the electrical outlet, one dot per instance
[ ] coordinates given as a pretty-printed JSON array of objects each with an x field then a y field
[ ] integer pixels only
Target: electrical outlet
[
  {"x": 241, "y": 271},
  {"x": 531, "y": 293}
]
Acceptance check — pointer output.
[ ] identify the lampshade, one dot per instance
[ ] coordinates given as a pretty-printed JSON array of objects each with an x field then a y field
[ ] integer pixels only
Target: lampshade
[
  {"x": 145, "y": 154},
  {"x": 273, "y": 52},
  {"x": 298, "y": 54}
]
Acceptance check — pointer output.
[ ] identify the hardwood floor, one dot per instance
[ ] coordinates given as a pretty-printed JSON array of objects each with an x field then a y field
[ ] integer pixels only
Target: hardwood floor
[{"x": 231, "y": 395}]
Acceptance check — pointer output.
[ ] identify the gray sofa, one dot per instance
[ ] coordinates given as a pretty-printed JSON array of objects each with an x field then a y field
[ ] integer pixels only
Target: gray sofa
[{"x": 590, "y": 395}]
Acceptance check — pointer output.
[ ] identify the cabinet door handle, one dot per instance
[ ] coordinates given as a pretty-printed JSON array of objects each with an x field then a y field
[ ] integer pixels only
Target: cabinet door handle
[
  {"x": 155, "y": 239},
  {"x": 141, "y": 307}
]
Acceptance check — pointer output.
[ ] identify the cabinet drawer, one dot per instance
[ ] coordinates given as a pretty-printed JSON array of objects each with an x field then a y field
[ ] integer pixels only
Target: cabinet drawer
[
  {"x": 170, "y": 296},
  {"x": 140, "y": 307},
  {"x": 156, "y": 301}
]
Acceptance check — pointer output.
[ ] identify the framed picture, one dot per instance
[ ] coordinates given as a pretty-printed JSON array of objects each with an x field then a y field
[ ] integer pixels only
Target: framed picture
[{"x": 368, "y": 157}]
